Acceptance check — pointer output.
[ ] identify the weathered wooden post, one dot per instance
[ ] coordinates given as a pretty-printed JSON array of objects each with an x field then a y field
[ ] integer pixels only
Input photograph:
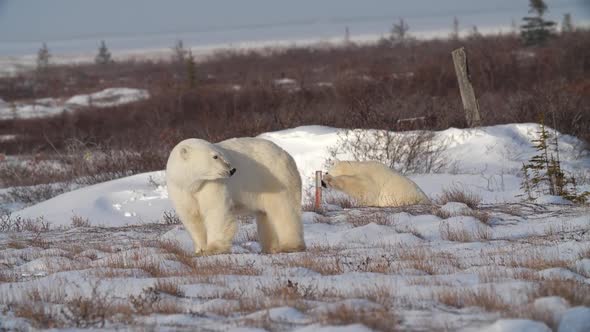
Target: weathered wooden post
[
  {"x": 467, "y": 94},
  {"x": 318, "y": 190}
]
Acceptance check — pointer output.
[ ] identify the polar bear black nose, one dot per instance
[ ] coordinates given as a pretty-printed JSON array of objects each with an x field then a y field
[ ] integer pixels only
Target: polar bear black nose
[{"x": 232, "y": 171}]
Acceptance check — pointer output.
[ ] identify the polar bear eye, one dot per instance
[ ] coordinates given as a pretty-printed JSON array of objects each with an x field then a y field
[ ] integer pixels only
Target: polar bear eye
[{"x": 215, "y": 157}]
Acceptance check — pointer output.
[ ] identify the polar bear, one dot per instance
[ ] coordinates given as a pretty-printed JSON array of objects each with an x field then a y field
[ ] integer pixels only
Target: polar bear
[
  {"x": 209, "y": 184},
  {"x": 371, "y": 183}
]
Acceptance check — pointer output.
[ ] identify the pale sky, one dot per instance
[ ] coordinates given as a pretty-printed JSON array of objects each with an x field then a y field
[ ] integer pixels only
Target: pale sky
[{"x": 35, "y": 21}]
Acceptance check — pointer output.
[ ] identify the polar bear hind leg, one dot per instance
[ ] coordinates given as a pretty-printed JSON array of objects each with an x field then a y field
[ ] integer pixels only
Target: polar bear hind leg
[
  {"x": 284, "y": 221},
  {"x": 266, "y": 234}
]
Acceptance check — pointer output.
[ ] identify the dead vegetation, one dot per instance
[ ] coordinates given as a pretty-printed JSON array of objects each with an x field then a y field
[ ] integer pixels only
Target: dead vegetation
[
  {"x": 484, "y": 297},
  {"x": 461, "y": 195},
  {"x": 459, "y": 233},
  {"x": 358, "y": 86},
  {"x": 379, "y": 319}
]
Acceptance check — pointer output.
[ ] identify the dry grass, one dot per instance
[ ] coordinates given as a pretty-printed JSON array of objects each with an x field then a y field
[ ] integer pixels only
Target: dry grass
[
  {"x": 461, "y": 195},
  {"x": 575, "y": 292},
  {"x": 442, "y": 214},
  {"x": 151, "y": 301},
  {"x": 411, "y": 229},
  {"x": 9, "y": 223},
  {"x": 38, "y": 314},
  {"x": 379, "y": 319},
  {"x": 169, "y": 286},
  {"x": 362, "y": 219},
  {"x": 343, "y": 201},
  {"x": 482, "y": 216},
  {"x": 170, "y": 218},
  {"x": 486, "y": 298},
  {"x": 461, "y": 234},
  {"x": 425, "y": 259},
  {"x": 537, "y": 260},
  {"x": 325, "y": 265},
  {"x": 78, "y": 221}
]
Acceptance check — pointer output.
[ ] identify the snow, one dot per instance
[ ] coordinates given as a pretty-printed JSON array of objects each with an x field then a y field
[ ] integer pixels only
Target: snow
[
  {"x": 346, "y": 328},
  {"x": 45, "y": 107},
  {"x": 549, "y": 199},
  {"x": 575, "y": 320},
  {"x": 512, "y": 325},
  {"x": 409, "y": 260},
  {"x": 108, "y": 97},
  {"x": 455, "y": 208},
  {"x": 134, "y": 200},
  {"x": 552, "y": 306}
]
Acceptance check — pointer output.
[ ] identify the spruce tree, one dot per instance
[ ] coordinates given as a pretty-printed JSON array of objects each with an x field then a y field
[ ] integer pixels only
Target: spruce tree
[
  {"x": 399, "y": 31},
  {"x": 536, "y": 30},
  {"x": 43, "y": 57},
  {"x": 526, "y": 182},
  {"x": 566, "y": 25},
  {"x": 191, "y": 70},
  {"x": 180, "y": 52},
  {"x": 104, "y": 56}
]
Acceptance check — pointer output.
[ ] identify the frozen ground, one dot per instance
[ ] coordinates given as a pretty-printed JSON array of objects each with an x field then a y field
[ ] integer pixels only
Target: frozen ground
[
  {"x": 382, "y": 268},
  {"x": 114, "y": 258}
]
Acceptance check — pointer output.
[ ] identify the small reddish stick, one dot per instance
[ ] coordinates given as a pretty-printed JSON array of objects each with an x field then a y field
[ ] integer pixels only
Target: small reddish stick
[{"x": 318, "y": 190}]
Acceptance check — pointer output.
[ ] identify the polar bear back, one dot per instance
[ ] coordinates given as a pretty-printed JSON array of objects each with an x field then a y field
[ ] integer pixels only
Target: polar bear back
[
  {"x": 383, "y": 186},
  {"x": 263, "y": 168}
]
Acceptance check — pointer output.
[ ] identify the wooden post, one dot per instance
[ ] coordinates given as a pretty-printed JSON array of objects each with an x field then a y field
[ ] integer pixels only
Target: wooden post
[
  {"x": 318, "y": 190},
  {"x": 467, "y": 94}
]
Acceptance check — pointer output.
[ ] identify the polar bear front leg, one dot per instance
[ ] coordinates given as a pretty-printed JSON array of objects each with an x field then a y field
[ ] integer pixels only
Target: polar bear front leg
[
  {"x": 221, "y": 226},
  {"x": 195, "y": 227},
  {"x": 219, "y": 222}
]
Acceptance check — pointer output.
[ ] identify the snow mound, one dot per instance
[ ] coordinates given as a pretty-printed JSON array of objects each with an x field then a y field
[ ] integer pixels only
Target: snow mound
[
  {"x": 512, "y": 325},
  {"x": 45, "y": 107},
  {"x": 575, "y": 320},
  {"x": 108, "y": 97},
  {"x": 126, "y": 201},
  {"x": 133, "y": 200},
  {"x": 552, "y": 306},
  {"x": 344, "y": 328},
  {"x": 549, "y": 199},
  {"x": 32, "y": 109},
  {"x": 456, "y": 208}
]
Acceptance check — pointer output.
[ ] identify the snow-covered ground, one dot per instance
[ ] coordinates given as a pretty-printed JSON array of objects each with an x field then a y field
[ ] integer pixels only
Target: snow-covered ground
[
  {"x": 503, "y": 265},
  {"x": 50, "y": 106}
]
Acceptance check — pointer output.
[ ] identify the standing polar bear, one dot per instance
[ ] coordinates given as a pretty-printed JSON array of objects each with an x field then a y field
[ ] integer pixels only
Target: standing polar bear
[
  {"x": 209, "y": 184},
  {"x": 371, "y": 183}
]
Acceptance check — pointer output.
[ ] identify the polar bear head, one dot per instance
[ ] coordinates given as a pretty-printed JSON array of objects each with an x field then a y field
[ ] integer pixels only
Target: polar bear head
[
  {"x": 339, "y": 175},
  {"x": 194, "y": 160}
]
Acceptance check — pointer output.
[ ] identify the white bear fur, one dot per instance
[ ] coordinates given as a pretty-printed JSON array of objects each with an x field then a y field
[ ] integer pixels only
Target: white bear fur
[
  {"x": 207, "y": 198},
  {"x": 371, "y": 183}
]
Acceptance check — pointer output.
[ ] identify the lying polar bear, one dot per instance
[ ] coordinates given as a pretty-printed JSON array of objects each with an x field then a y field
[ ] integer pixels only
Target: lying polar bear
[
  {"x": 209, "y": 184},
  {"x": 371, "y": 183}
]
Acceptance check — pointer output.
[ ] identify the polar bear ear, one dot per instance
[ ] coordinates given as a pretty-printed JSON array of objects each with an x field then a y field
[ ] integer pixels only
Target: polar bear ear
[{"x": 184, "y": 152}]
